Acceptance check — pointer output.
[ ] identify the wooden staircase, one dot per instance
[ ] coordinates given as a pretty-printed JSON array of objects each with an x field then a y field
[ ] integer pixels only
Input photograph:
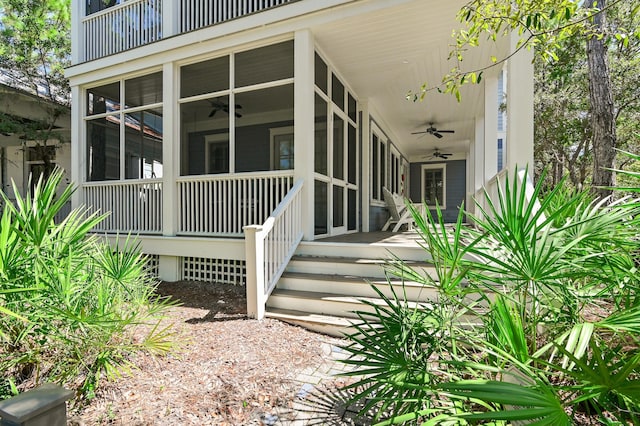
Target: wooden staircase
[{"x": 326, "y": 281}]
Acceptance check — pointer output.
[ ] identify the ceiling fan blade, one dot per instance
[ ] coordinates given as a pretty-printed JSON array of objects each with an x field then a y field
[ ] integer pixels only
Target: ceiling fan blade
[
  {"x": 213, "y": 112},
  {"x": 437, "y": 135},
  {"x": 446, "y": 131},
  {"x": 418, "y": 133}
]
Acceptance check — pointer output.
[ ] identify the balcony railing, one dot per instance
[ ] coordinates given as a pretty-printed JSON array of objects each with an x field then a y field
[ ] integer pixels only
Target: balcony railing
[
  {"x": 125, "y": 26},
  {"x": 134, "y": 23}
]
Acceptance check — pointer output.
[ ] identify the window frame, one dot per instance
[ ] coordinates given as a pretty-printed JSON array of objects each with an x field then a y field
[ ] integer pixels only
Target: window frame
[
  {"x": 119, "y": 116},
  {"x": 274, "y": 152},
  {"x": 434, "y": 166}
]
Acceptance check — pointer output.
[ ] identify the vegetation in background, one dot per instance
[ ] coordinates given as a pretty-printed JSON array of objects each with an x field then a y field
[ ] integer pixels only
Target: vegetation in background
[
  {"x": 35, "y": 48},
  {"x": 606, "y": 34},
  {"x": 72, "y": 311},
  {"x": 563, "y": 134},
  {"x": 536, "y": 318}
]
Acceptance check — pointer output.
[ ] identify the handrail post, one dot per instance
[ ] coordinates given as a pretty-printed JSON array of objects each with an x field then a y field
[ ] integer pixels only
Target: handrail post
[{"x": 254, "y": 250}]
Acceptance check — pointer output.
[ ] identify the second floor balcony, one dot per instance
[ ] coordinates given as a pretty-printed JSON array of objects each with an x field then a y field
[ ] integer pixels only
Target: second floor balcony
[{"x": 108, "y": 27}]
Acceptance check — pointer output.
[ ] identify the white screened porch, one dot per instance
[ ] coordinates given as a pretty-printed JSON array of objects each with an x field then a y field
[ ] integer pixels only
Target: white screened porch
[{"x": 191, "y": 142}]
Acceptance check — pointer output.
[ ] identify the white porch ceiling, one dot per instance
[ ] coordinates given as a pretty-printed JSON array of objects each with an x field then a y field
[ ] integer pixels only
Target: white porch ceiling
[{"x": 388, "y": 52}]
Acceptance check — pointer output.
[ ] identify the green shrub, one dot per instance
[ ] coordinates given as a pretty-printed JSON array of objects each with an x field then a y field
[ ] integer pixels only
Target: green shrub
[
  {"x": 538, "y": 317},
  {"x": 69, "y": 304}
]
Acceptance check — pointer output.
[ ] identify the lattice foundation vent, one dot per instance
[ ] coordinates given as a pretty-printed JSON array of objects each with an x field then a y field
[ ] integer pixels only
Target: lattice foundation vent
[
  {"x": 224, "y": 271},
  {"x": 153, "y": 264}
]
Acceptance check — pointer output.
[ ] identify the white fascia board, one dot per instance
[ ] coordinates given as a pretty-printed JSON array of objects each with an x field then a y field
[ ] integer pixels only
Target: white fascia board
[{"x": 214, "y": 248}]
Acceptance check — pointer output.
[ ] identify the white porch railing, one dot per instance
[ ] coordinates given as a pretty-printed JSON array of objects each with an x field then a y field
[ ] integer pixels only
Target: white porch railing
[
  {"x": 134, "y": 23},
  {"x": 122, "y": 27},
  {"x": 269, "y": 247},
  {"x": 223, "y": 205},
  {"x": 202, "y": 13},
  {"x": 489, "y": 190},
  {"x": 135, "y": 206}
]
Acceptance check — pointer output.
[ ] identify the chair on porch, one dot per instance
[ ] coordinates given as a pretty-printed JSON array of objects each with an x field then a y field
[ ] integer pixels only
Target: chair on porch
[{"x": 398, "y": 211}]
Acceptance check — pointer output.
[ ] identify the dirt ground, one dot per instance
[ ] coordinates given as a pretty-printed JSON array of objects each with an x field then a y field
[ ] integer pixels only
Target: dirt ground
[{"x": 229, "y": 370}]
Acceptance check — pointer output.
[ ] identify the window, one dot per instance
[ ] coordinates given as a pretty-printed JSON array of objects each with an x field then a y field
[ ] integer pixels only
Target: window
[
  {"x": 125, "y": 141},
  {"x": 434, "y": 189},
  {"x": 40, "y": 161},
  {"x": 217, "y": 153},
  {"x": 500, "y": 154},
  {"x": 282, "y": 148}
]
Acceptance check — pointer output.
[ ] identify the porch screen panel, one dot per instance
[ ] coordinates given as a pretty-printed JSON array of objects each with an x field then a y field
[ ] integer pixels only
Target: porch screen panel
[
  {"x": 321, "y": 74},
  {"x": 264, "y": 115},
  {"x": 337, "y": 92},
  {"x": 375, "y": 167},
  {"x": 352, "y": 160},
  {"x": 338, "y": 206},
  {"x": 103, "y": 149},
  {"x": 352, "y": 210},
  {"x": 264, "y": 64},
  {"x": 320, "y": 144},
  {"x": 143, "y": 90},
  {"x": 204, "y": 77},
  {"x": 143, "y": 145},
  {"x": 320, "y": 207},
  {"x": 338, "y": 147},
  {"x": 351, "y": 105},
  {"x": 204, "y": 144},
  {"x": 132, "y": 108},
  {"x": 383, "y": 169}
]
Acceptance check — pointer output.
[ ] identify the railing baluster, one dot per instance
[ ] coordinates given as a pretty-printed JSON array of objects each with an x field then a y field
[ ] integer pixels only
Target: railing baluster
[{"x": 133, "y": 23}]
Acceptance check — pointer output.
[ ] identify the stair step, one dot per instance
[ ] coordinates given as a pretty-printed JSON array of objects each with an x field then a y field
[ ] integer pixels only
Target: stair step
[
  {"x": 350, "y": 266},
  {"x": 326, "y": 324},
  {"x": 354, "y": 285},
  {"x": 370, "y": 251},
  {"x": 323, "y": 303}
]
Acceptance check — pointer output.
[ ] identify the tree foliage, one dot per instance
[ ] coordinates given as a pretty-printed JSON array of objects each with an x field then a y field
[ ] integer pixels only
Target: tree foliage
[
  {"x": 563, "y": 134},
  {"x": 35, "y": 46},
  {"x": 548, "y": 27}
]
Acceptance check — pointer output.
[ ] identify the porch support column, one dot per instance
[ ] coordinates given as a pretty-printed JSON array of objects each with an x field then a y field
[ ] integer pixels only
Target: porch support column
[
  {"x": 471, "y": 175},
  {"x": 365, "y": 181},
  {"x": 490, "y": 127},
  {"x": 168, "y": 265},
  {"x": 478, "y": 161},
  {"x": 78, "y": 146},
  {"x": 303, "y": 116},
  {"x": 77, "y": 49},
  {"x": 519, "y": 143}
]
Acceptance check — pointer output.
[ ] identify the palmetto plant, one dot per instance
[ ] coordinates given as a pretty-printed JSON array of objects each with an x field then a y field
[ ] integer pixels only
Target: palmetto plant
[
  {"x": 538, "y": 316},
  {"x": 69, "y": 303}
]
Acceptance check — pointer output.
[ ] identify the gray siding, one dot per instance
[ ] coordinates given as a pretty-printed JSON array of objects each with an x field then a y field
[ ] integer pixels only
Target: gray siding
[{"x": 455, "y": 185}]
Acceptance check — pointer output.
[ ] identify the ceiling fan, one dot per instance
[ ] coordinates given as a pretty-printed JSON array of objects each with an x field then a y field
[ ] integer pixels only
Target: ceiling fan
[
  {"x": 432, "y": 130},
  {"x": 218, "y": 105},
  {"x": 439, "y": 154}
]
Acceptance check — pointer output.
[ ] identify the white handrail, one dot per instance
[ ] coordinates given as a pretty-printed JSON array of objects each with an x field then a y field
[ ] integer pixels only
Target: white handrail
[{"x": 269, "y": 247}]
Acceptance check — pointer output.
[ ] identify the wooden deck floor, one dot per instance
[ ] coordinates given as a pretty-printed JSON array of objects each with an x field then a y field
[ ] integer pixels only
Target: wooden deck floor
[{"x": 407, "y": 238}]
